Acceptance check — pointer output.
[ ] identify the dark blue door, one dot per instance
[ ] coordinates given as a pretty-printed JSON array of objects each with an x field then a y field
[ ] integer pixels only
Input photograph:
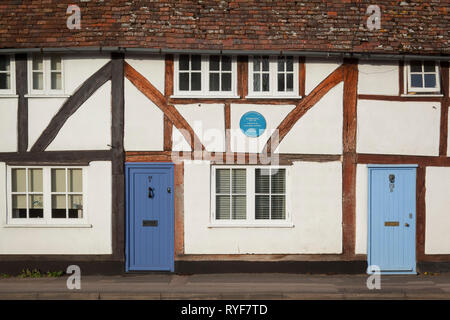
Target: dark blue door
[
  {"x": 150, "y": 217},
  {"x": 392, "y": 216}
]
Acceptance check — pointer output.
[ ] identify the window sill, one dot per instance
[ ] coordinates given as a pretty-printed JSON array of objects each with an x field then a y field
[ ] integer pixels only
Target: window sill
[
  {"x": 204, "y": 96},
  {"x": 47, "y": 226},
  {"x": 49, "y": 95},
  {"x": 255, "y": 225},
  {"x": 273, "y": 97},
  {"x": 418, "y": 95},
  {"x": 8, "y": 95}
]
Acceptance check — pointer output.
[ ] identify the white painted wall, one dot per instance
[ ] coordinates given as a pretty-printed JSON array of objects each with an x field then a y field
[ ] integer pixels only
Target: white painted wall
[
  {"x": 144, "y": 122},
  {"x": 317, "y": 69},
  {"x": 378, "y": 77},
  {"x": 319, "y": 131},
  {"x": 392, "y": 127},
  {"x": 8, "y": 124},
  {"x": 89, "y": 128},
  {"x": 437, "y": 224},
  {"x": 316, "y": 207},
  {"x": 361, "y": 221},
  {"x": 152, "y": 67},
  {"x": 57, "y": 240},
  {"x": 273, "y": 114},
  {"x": 208, "y": 123},
  {"x": 448, "y": 136}
]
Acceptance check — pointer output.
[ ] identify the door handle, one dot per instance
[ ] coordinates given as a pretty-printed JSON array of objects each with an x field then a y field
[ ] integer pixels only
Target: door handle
[
  {"x": 406, "y": 224},
  {"x": 151, "y": 193}
]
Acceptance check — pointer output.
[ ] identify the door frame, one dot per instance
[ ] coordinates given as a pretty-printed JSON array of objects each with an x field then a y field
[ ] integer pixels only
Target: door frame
[
  {"x": 129, "y": 166},
  {"x": 369, "y": 213}
]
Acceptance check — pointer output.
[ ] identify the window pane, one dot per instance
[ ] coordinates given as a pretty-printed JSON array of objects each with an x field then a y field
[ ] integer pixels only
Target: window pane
[
  {"x": 38, "y": 62},
  {"x": 55, "y": 63},
  {"x": 75, "y": 180},
  {"x": 226, "y": 81},
  {"x": 289, "y": 82},
  {"x": 196, "y": 62},
  {"x": 239, "y": 180},
  {"x": 256, "y": 64},
  {"x": 429, "y": 66},
  {"x": 18, "y": 180},
  {"x": 262, "y": 180},
  {"x": 416, "y": 81},
  {"x": 36, "y": 206},
  {"x": 196, "y": 83},
  {"x": 416, "y": 66},
  {"x": 223, "y": 181},
  {"x": 256, "y": 82},
  {"x": 265, "y": 63},
  {"x": 278, "y": 207},
  {"x": 278, "y": 181},
  {"x": 19, "y": 206},
  {"x": 289, "y": 64},
  {"x": 262, "y": 207},
  {"x": 280, "y": 64},
  {"x": 35, "y": 180},
  {"x": 239, "y": 207},
  {"x": 75, "y": 206},
  {"x": 184, "y": 81},
  {"x": 38, "y": 81},
  {"x": 56, "y": 81},
  {"x": 58, "y": 206},
  {"x": 4, "y": 63},
  {"x": 214, "y": 82},
  {"x": 58, "y": 180},
  {"x": 281, "y": 82},
  {"x": 184, "y": 62},
  {"x": 214, "y": 62},
  {"x": 5, "y": 81},
  {"x": 222, "y": 207},
  {"x": 265, "y": 82},
  {"x": 430, "y": 80},
  {"x": 226, "y": 63}
]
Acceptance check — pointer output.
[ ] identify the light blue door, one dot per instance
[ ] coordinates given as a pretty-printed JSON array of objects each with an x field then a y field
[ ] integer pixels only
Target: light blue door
[
  {"x": 150, "y": 217},
  {"x": 392, "y": 216}
]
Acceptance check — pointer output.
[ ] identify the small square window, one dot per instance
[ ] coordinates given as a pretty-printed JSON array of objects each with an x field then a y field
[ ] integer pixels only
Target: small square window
[
  {"x": 6, "y": 74},
  {"x": 423, "y": 77}
]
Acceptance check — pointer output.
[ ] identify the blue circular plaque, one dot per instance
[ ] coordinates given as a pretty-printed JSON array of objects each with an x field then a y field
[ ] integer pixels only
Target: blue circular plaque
[{"x": 252, "y": 124}]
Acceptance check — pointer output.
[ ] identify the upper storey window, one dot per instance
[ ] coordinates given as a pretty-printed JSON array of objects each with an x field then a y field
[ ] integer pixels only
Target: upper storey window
[
  {"x": 198, "y": 75},
  {"x": 46, "y": 74},
  {"x": 271, "y": 76},
  {"x": 423, "y": 77},
  {"x": 6, "y": 74}
]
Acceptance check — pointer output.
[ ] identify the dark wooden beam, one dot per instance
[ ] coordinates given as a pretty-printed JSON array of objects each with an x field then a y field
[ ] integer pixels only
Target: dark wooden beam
[
  {"x": 92, "y": 84},
  {"x": 118, "y": 155},
  {"x": 301, "y": 76},
  {"x": 416, "y": 98},
  {"x": 349, "y": 156},
  {"x": 56, "y": 156},
  {"x": 242, "y": 76},
  {"x": 443, "y": 135},
  {"x": 168, "y": 76},
  {"x": 227, "y": 111},
  {"x": 420, "y": 213},
  {"x": 401, "y": 77},
  {"x": 22, "y": 106},
  {"x": 274, "y": 101},
  {"x": 305, "y": 104},
  {"x": 403, "y": 159}
]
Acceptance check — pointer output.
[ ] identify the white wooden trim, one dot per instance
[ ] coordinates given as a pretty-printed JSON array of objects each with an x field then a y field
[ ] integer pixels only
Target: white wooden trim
[
  {"x": 412, "y": 90},
  {"x": 46, "y": 91}
]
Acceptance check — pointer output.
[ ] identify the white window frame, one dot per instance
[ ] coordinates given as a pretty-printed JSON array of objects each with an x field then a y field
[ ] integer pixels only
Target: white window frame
[
  {"x": 47, "y": 220},
  {"x": 204, "y": 70},
  {"x": 273, "y": 78},
  {"x": 413, "y": 90},
  {"x": 47, "y": 90},
  {"x": 12, "y": 72},
  {"x": 250, "y": 220}
]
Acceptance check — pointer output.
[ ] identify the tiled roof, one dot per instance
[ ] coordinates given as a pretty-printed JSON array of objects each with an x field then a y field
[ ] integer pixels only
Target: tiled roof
[{"x": 409, "y": 27}]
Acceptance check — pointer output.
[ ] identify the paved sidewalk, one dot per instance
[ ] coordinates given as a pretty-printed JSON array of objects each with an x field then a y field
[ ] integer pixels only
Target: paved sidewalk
[{"x": 229, "y": 286}]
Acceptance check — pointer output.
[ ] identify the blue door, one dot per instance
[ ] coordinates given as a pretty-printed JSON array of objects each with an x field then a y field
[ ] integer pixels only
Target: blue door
[
  {"x": 392, "y": 216},
  {"x": 150, "y": 217}
]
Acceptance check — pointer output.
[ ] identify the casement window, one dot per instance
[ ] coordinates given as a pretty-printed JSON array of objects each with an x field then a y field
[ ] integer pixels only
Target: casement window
[
  {"x": 423, "y": 77},
  {"x": 273, "y": 76},
  {"x": 249, "y": 195},
  {"x": 200, "y": 75},
  {"x": 45, "y": 195},
  {"x": 46, "y": 74},
  {"x": 7, "y": 78}
]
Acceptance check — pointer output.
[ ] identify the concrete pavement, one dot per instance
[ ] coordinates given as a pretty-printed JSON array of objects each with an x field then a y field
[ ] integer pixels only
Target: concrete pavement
[{"x": 228, "y": 286}]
